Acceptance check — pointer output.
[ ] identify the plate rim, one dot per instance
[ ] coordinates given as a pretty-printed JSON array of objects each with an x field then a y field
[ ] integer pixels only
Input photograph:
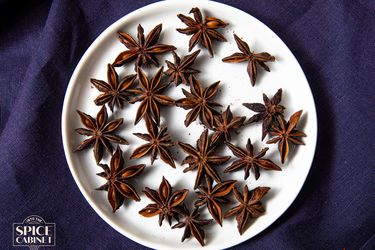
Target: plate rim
[{"x": 68, "y": 97}]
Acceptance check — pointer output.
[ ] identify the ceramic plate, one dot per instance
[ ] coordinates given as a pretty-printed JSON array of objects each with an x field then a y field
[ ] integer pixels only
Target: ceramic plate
[{"x": 235, "y": 89}]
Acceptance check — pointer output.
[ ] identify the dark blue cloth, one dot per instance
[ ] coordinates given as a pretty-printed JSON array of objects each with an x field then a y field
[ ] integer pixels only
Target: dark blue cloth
[{"x": 41, "y": 42}]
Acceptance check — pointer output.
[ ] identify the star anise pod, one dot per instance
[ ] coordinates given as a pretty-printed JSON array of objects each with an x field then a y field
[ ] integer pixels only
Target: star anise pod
[
  {"x": 150, "y": 96},
  {"x": 203, "y": 31},
  {"x": 199, "y": 101},
  {"x": 117, "y": 177},
  {"x": 193, "y": 225},
  {"x": 224, "y": 123},
  {"x": 158, "y": 142},
  {"x": 144, "y": 50},
  {"x": 286, "y": 133},
  {"x": 214, "y": 196},
  {"x": 249, "y": 206},
  {"x": 115, "y": 92},
  {"x": 180, "y": 70},
  {"x": 203, "y": 158},
  {"x": 101, "y": 131},
  {"x": 166, "y": 202},
  {"x": 253, "y": 59},
  {"x": 268, "y": 112},
  {"x": 247, "y": 160}
]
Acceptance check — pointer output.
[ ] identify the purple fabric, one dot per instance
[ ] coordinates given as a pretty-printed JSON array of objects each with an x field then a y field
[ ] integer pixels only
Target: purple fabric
[{"x": 41, "y": 42}]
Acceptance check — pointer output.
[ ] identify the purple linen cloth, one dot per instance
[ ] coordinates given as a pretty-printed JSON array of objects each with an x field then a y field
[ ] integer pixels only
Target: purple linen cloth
[{"x": 41, "y": 42}]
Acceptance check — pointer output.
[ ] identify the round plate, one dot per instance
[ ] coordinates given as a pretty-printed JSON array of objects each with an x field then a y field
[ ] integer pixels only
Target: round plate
[{"x": 235, "y": 89}]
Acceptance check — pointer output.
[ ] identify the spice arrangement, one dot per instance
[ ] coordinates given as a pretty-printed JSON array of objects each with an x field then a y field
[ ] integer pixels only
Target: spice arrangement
[{"x": 213, "y": 185}]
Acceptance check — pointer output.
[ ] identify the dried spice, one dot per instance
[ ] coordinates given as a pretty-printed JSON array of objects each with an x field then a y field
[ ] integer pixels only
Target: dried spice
[
  {"x": 224, "y": 123},
  {"x": 115, "y": 92},
  {"x": 203, "y": 158},
  {"x": 268, "y": 112},
  {"x": 166, "y": 202},
  {"x": 101, "y": 132},
  {"x": 199, "y": 101},
  {"x": 253, "y": 59},
  {"x": 248, "y": 161},
  {"x": 249, "y": 206},
  {"x": 117, "y": 177},
  {"x": 158, "y": 143},
  {"x": 150, "y": 96},
  {"x": 213, "y": 197},
  {"x": 286, "y": 133},
  {"x": 144, "y": 50},
  {"x": 180, "y": 71},
  {"x": 193, "y": 225},
  {"x": 203, "y": 31}
]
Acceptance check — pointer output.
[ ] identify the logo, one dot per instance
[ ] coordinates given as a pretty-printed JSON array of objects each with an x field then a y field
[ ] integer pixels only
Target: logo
[{"x": 34, "y": 232}]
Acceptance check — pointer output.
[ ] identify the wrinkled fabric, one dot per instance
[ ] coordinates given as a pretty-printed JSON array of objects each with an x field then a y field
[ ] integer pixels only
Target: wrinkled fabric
[{"x": 41, "y": 42}]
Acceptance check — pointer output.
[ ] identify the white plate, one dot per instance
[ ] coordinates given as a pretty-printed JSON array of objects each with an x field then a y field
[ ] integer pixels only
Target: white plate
[{"x": 285, "y": 73}]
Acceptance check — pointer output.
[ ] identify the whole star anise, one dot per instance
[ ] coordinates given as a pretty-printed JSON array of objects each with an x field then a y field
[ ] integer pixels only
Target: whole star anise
[
  {"x": 150, "y": 96},
  {"x": 253, "y": 59},
  {"x": 115, "y": 92},
  {"x": 199, "y": 101},
  {"x": 285, "y": 133},
  {"x": 203, "y": 158},
  {"x": 117, "y": 177},
  {"x": 193, "y": 225},
  {"x": 248, "y": 161},
  {"x": 224, "y": 123},
  {"x": 144, "y": 50},
  {"x": 249, "y": 206},
  {"x": 202, "y": 31},
  {"x": 158, "y": 143},
  {"x": 180, "y": 70},
  {"x": 213, "y": 197},
  {"x": 268, "y": 112},
  {"x": 100, "y": 132},
  {"x": 166, "y": 202}
]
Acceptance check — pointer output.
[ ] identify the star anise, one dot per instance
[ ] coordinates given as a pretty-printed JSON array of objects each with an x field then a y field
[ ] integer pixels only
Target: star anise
[
  {"x": 199, "y": 101},
  {"x": 202, "y": 31},
  {"x": 166, "y": 202},
  {"x": 114, "y": 92},
  {"x": 286, "y": 133},
  {"x": 180, "y": 70},
  {"x": 268, "y": 112},
  {"x": 224, "y": 123},
  {"x": 247, "y": 160},
  {"x": 253, "y": 59},
  {"x": 214, "y": 196},
  {"x": 150, "y": 96},
  {"x": 101, "y": 131},
  {"x": 249, "y": 207},
  {"x": 193, "y": 225},
  {"x": 203, "y": 158},
  {"x": 158, "y": 143},
  {"x": 144, "y": 50},
  {"x": 117, "y": 180}
]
